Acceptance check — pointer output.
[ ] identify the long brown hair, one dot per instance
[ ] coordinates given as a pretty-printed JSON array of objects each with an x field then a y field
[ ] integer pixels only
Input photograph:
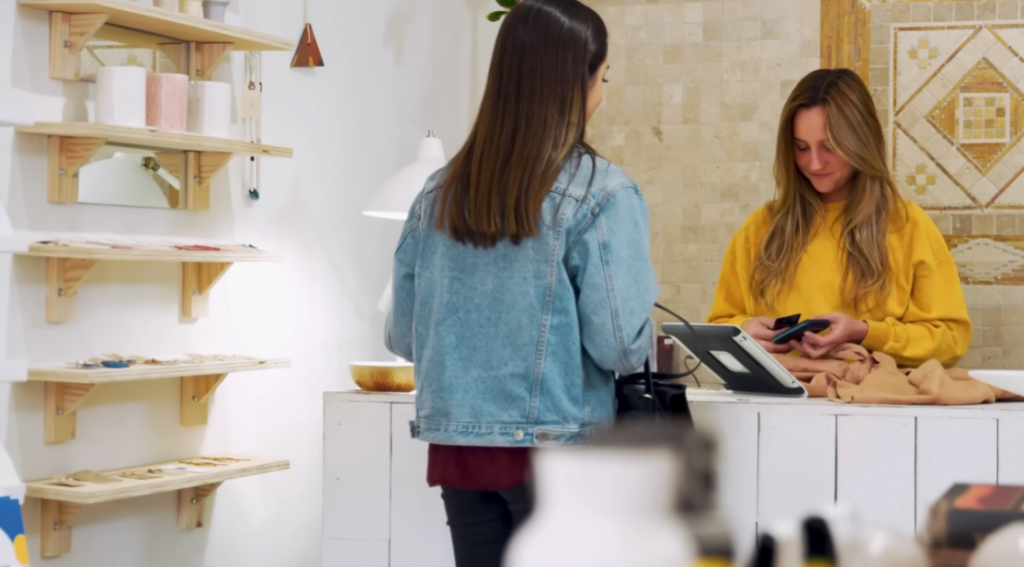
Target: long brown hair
[
  {"x": 873, "y": 204},
  {"x": 531, "y": 122}
]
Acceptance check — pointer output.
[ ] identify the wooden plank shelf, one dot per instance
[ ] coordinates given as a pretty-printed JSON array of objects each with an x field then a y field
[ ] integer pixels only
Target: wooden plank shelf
[
  {"x": 72, "y": 145},
  {"x": 194, "y": 484},
  {"x": 67, "y": 388},
  {"x": 74, "y": 22},
  {"x": 151, "y": 138},
  {"x": 69, "y": 262}
]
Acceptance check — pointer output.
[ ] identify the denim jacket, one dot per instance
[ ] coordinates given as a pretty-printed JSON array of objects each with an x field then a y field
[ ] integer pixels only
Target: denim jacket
[{"x": 517, "y": 345}]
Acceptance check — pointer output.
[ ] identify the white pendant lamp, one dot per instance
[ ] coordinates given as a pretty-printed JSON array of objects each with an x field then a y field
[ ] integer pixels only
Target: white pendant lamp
[{"x": 393, "y": 199}]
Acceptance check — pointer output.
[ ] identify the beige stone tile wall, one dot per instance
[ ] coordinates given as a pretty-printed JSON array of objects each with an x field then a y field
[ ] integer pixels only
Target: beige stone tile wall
[{"x": 691, "y": 112}]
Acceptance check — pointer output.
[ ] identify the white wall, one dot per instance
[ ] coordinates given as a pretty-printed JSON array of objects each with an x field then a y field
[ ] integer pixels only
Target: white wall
[{"x": 394, "y": 68}]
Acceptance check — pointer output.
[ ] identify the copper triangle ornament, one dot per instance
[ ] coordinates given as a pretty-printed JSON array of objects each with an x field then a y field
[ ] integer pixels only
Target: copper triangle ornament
[{"x": 307, "y": 54}]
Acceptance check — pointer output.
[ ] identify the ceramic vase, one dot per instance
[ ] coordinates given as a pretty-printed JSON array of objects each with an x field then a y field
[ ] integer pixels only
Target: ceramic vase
[
  {"x": 167, "y": 101},
  {"x": 121, "y": 96},
  {"x": 209, "y": 108},
  {"x": 213, "y": 10},
  {"x": 600, "y": 506}
]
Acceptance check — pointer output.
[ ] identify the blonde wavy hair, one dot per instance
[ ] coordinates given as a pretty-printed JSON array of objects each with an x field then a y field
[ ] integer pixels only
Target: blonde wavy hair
[{"x": 874, "y": 203}]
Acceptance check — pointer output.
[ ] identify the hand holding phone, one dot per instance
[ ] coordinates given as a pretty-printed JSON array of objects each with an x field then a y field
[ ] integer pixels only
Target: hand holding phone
[
  {"x": 761, "y": 330},
  {"x": 797, "y": 332},
  {"x": 786, "y": 322}
]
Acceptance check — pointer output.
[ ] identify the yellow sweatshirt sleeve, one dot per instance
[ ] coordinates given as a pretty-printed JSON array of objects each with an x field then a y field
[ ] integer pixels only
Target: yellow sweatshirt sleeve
[
  {"x": 936, "y": 324},
  {"x": 733, "y": 291}
]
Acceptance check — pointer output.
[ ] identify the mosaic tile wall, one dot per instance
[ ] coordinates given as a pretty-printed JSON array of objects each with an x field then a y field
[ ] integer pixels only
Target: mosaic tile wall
[
  {"x": 693, "y": 106},
  {"x": 948, "y": 77},
  {"x": 691, "y": 112}
]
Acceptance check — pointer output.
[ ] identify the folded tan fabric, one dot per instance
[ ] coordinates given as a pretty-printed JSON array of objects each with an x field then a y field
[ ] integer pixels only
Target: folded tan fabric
[{"x": 855, "y": 376}]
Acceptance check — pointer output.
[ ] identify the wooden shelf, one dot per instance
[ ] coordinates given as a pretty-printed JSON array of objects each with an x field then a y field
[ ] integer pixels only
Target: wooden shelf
[
  {"x": 83, "y": 251},
  {"x": 140, "y": 372},
  {"x": 157, "y": 21},
  {"x": 61, "y": 504},
  {"x": 74, "y": 22},
  {"x": 67, "y": 266},
  {"x": 152, "y": 138},
  {"x": 72, "y": 145},
  {"x": 67, "y": 388}
]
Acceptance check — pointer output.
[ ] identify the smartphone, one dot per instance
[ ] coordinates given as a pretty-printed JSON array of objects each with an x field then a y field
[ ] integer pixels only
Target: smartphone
[
  {"x": 786, "y": 322},
  {"x": 797, "y": 332}
]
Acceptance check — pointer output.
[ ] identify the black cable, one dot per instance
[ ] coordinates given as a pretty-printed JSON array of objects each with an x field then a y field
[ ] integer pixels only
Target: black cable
[{"x": 698, "y": 355}]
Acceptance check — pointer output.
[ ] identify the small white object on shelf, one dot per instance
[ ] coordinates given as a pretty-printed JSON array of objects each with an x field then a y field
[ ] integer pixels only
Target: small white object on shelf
[
  {"x": 1010, "y": 380},
  {"x": 11, "y": 115}
]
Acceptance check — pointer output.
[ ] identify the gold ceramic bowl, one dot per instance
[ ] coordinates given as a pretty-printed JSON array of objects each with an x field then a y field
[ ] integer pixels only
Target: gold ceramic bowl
[{"x": 383, "y": 376}]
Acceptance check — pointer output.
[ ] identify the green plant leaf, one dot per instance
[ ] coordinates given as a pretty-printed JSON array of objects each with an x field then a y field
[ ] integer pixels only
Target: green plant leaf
[
  {"x": 507, "y": 3},
  {"x": 495, "y": 16}
]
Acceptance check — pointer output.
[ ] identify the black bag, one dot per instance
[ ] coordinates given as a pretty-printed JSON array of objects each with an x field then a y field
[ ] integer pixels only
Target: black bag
[{"x": 654, "y": 395}]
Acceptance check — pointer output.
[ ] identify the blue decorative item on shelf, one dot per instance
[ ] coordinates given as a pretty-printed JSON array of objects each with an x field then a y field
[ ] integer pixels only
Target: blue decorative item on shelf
[
  {"x": 114, "y": 364},
  {"x": 13, "y": 546}
]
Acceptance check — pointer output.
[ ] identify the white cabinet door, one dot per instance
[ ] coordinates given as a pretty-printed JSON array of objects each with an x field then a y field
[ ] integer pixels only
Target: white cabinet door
[
  {"x": 1011, "y": 458},
  {"x": 354, "y": 553},
  {"x": 875, "y": 469},
  {"x": 734, "y": 429},
  {"x": 419, "y": 529},
  {"x": 952, "y": 450},
  {"x": 357, "y": 471},
  {"x": 797, "y": 462}
]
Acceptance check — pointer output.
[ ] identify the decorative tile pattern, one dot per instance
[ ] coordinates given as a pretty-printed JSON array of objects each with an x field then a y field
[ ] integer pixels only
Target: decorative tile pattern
[
  {"x": 924, "y": 53},
  {"x": 989, "y": 259},
  {"x": 964, "y": 116}
]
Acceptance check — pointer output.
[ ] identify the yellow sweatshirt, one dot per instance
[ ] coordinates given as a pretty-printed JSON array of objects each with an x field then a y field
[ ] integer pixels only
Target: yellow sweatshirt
[{"x": 925, "y": 317}]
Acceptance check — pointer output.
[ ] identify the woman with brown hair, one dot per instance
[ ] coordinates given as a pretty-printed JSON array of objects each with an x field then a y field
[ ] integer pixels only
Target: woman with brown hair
[
  {"x": 523, "y": 278},
  {"x": 839, "y": 243}
]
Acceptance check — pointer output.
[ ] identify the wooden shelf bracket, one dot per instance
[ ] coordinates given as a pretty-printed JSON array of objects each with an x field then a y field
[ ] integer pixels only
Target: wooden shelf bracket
[
  {"x": 192, "y": 505},
  {"x": 198, "y": 278},
  {"x": 68, "y": 35},
  {"x": 55, "y": 530},
  {"x": 205, "y": 57},
  {"x": 202, "y": 166},
  {"x": 67, "y": 155},
  {"x": 63, "y": 277},
  {"x": 60, "y": 409},
  {"x": 196, "y": 392}
]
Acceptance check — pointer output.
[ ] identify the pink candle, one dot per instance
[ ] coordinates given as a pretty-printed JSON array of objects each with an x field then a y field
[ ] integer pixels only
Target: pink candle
[{"x": 167, "y": 101}]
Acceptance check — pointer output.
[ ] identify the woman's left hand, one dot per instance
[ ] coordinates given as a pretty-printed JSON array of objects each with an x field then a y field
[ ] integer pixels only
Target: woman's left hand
[{"x": 842, "y": 330}]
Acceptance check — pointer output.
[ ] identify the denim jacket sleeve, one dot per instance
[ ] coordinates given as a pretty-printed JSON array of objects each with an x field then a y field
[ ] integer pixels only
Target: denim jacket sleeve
[
  {"x": 610, "y": 264},
  {"x": 398, "y": 331}
]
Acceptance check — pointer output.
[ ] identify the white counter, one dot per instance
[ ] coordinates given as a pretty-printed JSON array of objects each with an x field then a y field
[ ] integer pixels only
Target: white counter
[{"x": 779, "y": 458}]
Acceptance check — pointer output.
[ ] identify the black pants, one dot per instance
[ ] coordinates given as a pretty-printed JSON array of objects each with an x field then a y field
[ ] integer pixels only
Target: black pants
[{"x": 481, "y": 522}]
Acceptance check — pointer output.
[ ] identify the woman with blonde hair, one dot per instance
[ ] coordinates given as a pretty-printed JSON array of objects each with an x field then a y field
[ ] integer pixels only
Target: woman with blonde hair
[{"x": 838, "y": 242}]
